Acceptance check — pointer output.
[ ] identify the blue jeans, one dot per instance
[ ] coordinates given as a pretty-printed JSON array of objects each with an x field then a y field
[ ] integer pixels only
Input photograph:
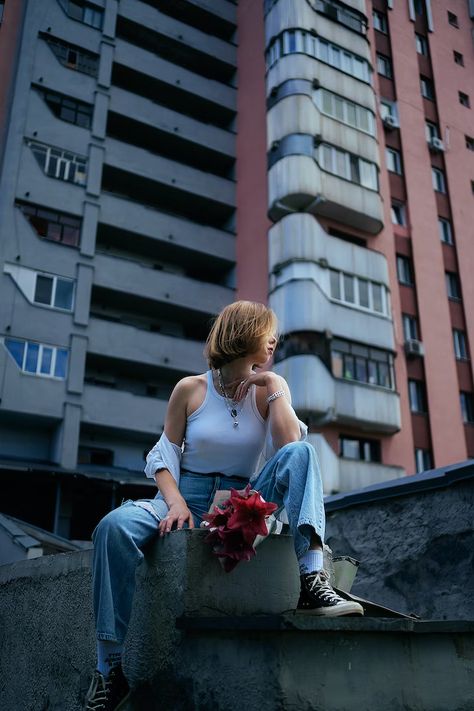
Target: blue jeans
[{"x": 291, "y": 478}]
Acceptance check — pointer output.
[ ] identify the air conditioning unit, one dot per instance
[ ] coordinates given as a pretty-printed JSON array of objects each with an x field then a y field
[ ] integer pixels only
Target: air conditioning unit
[
  {"x": 436, "y": 145},
  {"x": 390, "y": 122},
  {"x": 414, "y": 348}
]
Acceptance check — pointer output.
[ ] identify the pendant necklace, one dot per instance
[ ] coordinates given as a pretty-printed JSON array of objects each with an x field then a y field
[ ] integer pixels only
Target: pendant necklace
[{"x": 230, "y": 404}]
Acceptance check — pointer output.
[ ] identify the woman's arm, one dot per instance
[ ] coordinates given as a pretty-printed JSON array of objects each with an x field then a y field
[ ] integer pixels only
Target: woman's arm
[
  {"x": 175, "y": 425},
  {"x": 284, "y": 424}
]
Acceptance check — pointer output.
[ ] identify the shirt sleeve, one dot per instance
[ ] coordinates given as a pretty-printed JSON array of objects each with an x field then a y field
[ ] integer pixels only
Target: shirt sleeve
[{"x": 164, "y": 455}]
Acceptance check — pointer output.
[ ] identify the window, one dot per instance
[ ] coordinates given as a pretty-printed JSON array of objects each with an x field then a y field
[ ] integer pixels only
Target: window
[
  {"x": 460, "y": 344},
  {"x": 348, "y": 166},
  {"x": 464, "y": 99},
  {"x": 85, "y": 12},
  {"x": 291, "y": 41},
  {"x": 423, "y": 460},
  {"x": 73, "y": 57},
  {"x": 398, "y": 213},
  {"x": 439, "y": 182},
  {"x": 410, "y": 328},
  {"x": 427, "y": 89},
  {"x": 67, "y": 109},
  {"x": 358, "y": 291},
  {"x": 421, "y": 44},
  {"x": 100, "y": 457},
  {"x": 364, "y": 450},
  {"x": 404, "y": 270},
  {"x": 54, "y": 226},
  {"x": 54, "y": 291},
  {"x": 343, "y": 14},
  {"x": 2, "y": 7},
  {"x": 417, "y": 395},
  {"x": 352, "y": 361},
  {"x": 445, "y": 230},
  {"x": 394, "y": 160},
  {"x": 431, "y": 130},
  {"x": 346, "y": 111},
  {"x": 453, "y": 19},
  {"x": 458, "y": 58},
  {"x": 384, "y": 66},
  {"x": 60, "y": 164},
  {"x": 472, "y": 187},
  {"x": 453, "y": 286},
  {"x": 380, "y": 21},
  {"x": 388, "y": 108},
  {"x": 467, "y": 407},
  {"x": 469, "y": 143},
  {"x": 38, "y": 358}
]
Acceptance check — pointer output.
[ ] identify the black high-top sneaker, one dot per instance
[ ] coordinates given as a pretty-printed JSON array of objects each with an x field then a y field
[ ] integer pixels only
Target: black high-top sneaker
[
  {"x": 107, "y": 694},
  {"x": 317, "y": 597}
]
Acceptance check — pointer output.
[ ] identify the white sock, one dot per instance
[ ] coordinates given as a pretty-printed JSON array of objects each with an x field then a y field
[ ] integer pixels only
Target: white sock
[
  {"x": 311, "y": 562},
  {"x": 109, "y": 655}
]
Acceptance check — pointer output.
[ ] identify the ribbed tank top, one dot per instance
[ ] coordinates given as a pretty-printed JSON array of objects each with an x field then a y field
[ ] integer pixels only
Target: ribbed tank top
[{"x": 213, "y": 445}]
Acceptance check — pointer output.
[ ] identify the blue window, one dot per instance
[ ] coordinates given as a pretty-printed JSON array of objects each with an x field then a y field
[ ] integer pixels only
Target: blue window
[
  {"x": 16, "y": 350},
  {"x": 60, "y": 369}
]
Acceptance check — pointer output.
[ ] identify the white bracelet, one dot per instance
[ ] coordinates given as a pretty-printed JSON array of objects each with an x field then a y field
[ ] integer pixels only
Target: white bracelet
[{"x": 274, "y": 395}]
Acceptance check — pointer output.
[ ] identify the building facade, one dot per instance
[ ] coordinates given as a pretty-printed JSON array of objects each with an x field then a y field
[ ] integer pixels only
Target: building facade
[{"x": 160, "y": 158}]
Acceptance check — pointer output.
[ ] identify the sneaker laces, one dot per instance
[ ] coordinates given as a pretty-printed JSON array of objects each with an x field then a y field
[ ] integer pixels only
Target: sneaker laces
[
  {"x": 319, "y": 582},
  {"x": 97, "y": 694}
]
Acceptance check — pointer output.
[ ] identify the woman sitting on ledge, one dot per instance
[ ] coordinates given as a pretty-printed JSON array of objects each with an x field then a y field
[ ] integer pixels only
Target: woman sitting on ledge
[{"x": 229, "y": 419}]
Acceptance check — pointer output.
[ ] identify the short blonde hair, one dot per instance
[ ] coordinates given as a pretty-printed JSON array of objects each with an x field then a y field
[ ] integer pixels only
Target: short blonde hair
[{"x": 238, "y": 330}]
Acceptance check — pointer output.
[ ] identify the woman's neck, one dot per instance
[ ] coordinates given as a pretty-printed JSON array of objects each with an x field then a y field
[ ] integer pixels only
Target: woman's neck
[{"x": 236, "y": 371}]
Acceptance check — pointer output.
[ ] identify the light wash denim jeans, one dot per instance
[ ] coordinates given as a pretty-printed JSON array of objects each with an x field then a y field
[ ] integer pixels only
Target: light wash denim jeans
[{"x": 291, "y": 478}]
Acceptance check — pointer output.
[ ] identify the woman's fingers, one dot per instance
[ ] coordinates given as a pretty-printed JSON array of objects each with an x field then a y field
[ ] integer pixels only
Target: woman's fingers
[{"x": 167, "y": 523}]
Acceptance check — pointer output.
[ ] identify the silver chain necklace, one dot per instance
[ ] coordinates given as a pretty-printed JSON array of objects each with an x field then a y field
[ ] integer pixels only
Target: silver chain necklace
[{"x": 231, "y": 405}]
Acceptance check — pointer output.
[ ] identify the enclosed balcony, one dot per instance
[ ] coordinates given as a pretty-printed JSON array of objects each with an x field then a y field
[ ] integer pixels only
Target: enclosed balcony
[
  {"x": 323, "y": 399},
  {"x": 118, "y": 410}
]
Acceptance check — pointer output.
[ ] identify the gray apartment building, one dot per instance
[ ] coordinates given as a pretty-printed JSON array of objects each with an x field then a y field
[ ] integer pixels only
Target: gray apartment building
[{"x": 117, "y": 219}]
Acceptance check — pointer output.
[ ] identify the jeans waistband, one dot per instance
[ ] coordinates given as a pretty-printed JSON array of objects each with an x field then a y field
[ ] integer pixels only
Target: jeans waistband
[{"x": 215, "y": 475}]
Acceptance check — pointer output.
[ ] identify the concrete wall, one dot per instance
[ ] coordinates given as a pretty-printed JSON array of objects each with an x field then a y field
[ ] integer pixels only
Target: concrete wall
[
  {"x": 416, "y": 551},
  {"x": 198, "y": 640}
]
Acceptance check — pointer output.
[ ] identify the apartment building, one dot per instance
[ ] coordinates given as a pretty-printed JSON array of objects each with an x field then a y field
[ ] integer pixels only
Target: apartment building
[
  {"x": 117, "y": 216},
  {"x": 370, "y": 166},
  {"x": 160, "y": 158}
]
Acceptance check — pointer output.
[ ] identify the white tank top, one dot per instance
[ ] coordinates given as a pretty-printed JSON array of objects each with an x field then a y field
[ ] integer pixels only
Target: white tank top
[{"x": 213, "y": 445}]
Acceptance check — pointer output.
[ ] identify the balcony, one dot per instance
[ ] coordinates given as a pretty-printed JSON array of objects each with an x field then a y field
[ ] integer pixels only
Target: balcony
[
  {"x": 149, "y": 64},
  {"x": 123, "y": 411},
  {"x": 145, "y": 111},
  {"x": 176, "y": 40},
  {"x": 355, "y": 474},
  {"x": 297, "y": 183},
  {"x": 142, "y": 347},
  {"x": 138, "y": 223},
  {"x": 146, "y": 166},
  {"x": 317, "y": 394},
  {"x": 136, "y": 280},
  {"x": 288, "y": 15}
]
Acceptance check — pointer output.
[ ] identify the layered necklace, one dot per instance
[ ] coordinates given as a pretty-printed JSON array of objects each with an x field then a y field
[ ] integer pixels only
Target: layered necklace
[{"x": 234, "y": 408}]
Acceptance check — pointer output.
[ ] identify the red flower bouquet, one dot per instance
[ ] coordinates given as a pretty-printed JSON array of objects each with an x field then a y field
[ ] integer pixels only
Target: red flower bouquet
[{"x": 235, "y": 525}]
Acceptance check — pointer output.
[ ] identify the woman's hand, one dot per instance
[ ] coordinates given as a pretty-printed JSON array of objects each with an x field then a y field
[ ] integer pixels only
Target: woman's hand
[
  {"x": 265, "y": 378},
  {"x": 178, "y": 514}
]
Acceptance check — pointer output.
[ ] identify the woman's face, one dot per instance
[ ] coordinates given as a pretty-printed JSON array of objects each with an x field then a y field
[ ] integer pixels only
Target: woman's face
[{"x": 266, "y": 350}]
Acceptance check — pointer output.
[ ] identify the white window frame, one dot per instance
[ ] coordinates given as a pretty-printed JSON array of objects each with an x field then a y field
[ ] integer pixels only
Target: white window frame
[
  {"x": 347, "y": 158},
  {"x": 452, "y": 278},
  {"x": 356, "y": 289},
  {"x": 55, "y": 279},
  {"x": 41, "y": 348},
  {"x": 394, "y": 156},
  {"x": 404, "y": 266},
  {"x": 379, "y": 21},
  {"x": 78, "y": 164},
  {"x": 431, "y": 130},
  {"x": 410, "y": 327},
  {"x": 400, "y": 206},
  {"x": 460, "y": 344},
  {"x": 421, "y": 43},
  {"x": 425, "y": 82},
  {"x": 346, "y": 105},
  {"x": 384, "y": 65},
  {"x": 445, "y": 230},
  {"x": 439, "y": 180}
]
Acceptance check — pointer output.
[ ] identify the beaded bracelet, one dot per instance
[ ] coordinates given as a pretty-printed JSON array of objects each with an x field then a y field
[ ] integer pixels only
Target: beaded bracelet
[{"x": 274, "y": 395}]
